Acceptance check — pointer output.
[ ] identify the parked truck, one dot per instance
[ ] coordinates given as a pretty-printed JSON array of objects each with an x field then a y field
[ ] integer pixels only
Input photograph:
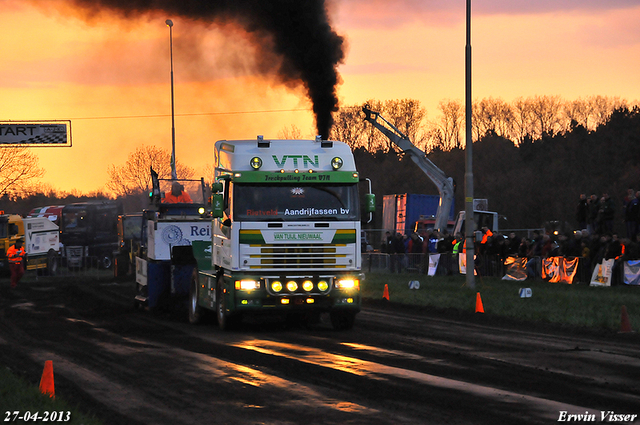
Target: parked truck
[
  {"x": 407, "y": 212},
  {"x": 173, "y": 238},
  {"x": 41, "y": 241},
  {"x": 88, "y": 232},
  {"x": 481, "y": 219},
  {"x": 286, "y": 233}
]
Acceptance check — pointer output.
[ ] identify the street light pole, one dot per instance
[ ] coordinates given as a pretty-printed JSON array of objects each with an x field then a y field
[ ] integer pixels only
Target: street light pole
[
  {"x": 174, "y": 174},
  {"x": 469, "y": 218}
]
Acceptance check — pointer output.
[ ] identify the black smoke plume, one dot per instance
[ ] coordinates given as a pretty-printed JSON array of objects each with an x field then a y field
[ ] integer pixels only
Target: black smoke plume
[{"x": 297, "y": 31}]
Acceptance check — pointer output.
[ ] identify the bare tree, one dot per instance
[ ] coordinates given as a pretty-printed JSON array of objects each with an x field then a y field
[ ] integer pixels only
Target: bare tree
[
  {"x": 492, "y": 116},
  {"x": 134, "y": 176},
  {"x": 348, "y": 126},
  {"x": 292, "y": 132},
  {"x": 407, "y": 115},
  {"x": 209, "y": 173},
  {"x": 373, "y": 140},
  {"x": 546, "y": 111},
  {"x": 451, "y": 123},
  {"x": 433, "y": 138},
  {"x": 18, "y": 170},
  {"x": 523, "y": 119},
  {"x": 603, "y": 107}
]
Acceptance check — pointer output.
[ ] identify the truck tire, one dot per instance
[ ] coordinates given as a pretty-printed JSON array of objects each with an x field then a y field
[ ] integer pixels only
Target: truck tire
[
  {"x": 106, "y": 262},
  {"x": 195, "y": 311},
  {"x": 52, "y": 263},
  {"x": 226, "y": 321},
  {"x": 342, "y": 320}
]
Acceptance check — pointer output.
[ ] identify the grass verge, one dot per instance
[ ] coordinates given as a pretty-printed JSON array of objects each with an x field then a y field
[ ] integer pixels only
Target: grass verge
[
  {"x": 594, "y": 308},
  {"x": 22, "y": 399}
]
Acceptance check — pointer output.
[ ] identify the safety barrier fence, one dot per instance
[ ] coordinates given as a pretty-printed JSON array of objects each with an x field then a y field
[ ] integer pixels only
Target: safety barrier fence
[
  {"x": 90, "y": 266},
  {"x": 553, "y": 269}
]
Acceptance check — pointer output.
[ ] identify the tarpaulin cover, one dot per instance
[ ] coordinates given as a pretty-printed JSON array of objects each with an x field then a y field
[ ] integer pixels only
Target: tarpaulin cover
[
  {"x": 516, "y": 269},
  {"x": 559, "y": 269},
  {"x": 632, "y": 272}
]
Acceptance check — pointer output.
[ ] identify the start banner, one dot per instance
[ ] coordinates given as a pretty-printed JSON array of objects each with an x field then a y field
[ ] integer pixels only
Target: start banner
[{"x": 35, "y": 133}]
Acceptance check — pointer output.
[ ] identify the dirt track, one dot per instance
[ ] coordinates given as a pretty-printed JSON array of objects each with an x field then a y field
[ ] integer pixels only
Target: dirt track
[{"x": 395, "y": 366}]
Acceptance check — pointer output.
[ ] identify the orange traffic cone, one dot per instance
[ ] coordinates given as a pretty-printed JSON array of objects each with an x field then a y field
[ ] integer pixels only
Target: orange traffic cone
[
  {"x": 479, "y": 307},
  {"x": 625, "y": 323},
  {"x": 46, "y": 382},
  {"x": 385, "y": 293}
]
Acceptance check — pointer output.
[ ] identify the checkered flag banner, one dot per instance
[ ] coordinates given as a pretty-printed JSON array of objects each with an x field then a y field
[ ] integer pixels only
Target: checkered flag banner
[{"x": 35, "y": 133}]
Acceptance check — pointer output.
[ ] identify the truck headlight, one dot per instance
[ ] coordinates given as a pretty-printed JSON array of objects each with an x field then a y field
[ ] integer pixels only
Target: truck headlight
[
  {"x": 292, "y": 286},
  {"x": 256, "y": 163},
  {"x": 323, "y": 285},
  {"x": 247, "y": 284},
  {"x": 348, "y": 284},
  {"x": 336, "y": 163},
  {"x": 276, "y": 286},
  {"x": 307, "y": 285}
]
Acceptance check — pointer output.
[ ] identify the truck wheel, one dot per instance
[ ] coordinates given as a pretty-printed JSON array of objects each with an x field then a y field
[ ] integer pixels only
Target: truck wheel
[
  {"x": 225, "y": 321},
  {"x": 52, "y": 263},
  {"x": 342, "y": 320},
  {"x": 195, "y": 311},
  {"x": 106, "y": 262}
]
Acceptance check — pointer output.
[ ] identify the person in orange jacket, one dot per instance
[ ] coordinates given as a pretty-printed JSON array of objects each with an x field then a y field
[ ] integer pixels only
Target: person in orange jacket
[
  {"x": 17, "y": 258},
  {"x": 177, "y": 195}
]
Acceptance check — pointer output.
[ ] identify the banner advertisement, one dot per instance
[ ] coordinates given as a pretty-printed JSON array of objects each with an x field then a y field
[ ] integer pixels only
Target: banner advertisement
[
  {"x": 434, "y": 259},
  {"x": 602, "y": 273},
  {"x": 632, "y": 272},
  {"x": 462, "y": 264},
  {"x": 559, "y": 269},
  {"x": 516, "y": 269}
]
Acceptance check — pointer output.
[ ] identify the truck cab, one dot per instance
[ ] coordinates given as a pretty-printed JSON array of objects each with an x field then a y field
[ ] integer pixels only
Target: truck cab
[
  {"x": 285, "y": 232},
  {"x": 41, "y": 241},
  {"x": 88, "y": 230},
  {"x": 481, "y": 219}
]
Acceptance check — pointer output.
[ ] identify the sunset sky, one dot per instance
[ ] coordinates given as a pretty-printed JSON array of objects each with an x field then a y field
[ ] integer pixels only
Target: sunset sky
[{"x": 111, "y": 77}]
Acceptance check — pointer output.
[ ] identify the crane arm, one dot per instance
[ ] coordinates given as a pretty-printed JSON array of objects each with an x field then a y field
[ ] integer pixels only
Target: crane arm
[{"x": 435, "y": 174}]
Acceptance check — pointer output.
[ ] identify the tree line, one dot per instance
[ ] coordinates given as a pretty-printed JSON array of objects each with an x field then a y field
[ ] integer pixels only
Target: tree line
[
  {"x": 523, "y": 119},
  {"x": 533, "y": 183},
  {"x": 532, "y": 157}
]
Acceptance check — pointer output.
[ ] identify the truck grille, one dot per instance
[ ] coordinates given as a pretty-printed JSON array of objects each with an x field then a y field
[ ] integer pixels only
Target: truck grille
[
  {"x": 298, "y": 256},
  {"x": 74, "y": 251}
]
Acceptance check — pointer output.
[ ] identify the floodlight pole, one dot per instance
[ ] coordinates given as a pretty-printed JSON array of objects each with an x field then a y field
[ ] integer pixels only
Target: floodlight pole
[
  {"x": 174, "y": 174},
  {"x": 469, "y": 219}
]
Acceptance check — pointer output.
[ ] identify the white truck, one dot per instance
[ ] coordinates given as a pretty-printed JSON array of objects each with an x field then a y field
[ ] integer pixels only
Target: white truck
[
  {"x": 285, "y": 233},
  {"x": 41, "y": 241},
  {"x": 173, "y": 237}
]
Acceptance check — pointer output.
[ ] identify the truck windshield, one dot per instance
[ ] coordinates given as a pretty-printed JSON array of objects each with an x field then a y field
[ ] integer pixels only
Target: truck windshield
[
  {"x": 256, "y": 202},
  {"x": 75, "y": 220}
]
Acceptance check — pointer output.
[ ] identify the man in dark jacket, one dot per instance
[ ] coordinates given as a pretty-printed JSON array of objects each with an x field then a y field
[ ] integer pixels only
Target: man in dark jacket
[
  {"x": 582, "y": 212},
  {"x": 632, "y": 216},
  {"x": 609, "y": 212}
]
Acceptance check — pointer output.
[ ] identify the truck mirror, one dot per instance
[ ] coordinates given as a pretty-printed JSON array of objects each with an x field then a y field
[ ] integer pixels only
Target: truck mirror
[
  {"x": 217, "y": 205},
  {"x": 370, "y": 202},
  {"x": 217, "y": 187}
]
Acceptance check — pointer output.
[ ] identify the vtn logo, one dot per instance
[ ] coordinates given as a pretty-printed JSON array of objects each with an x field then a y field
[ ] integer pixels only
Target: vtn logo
[{"x": 306, "y": 161}]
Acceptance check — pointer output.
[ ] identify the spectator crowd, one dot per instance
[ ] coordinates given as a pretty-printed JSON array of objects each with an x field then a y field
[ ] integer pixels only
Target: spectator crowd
[{"x": 594, "y": 241}]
